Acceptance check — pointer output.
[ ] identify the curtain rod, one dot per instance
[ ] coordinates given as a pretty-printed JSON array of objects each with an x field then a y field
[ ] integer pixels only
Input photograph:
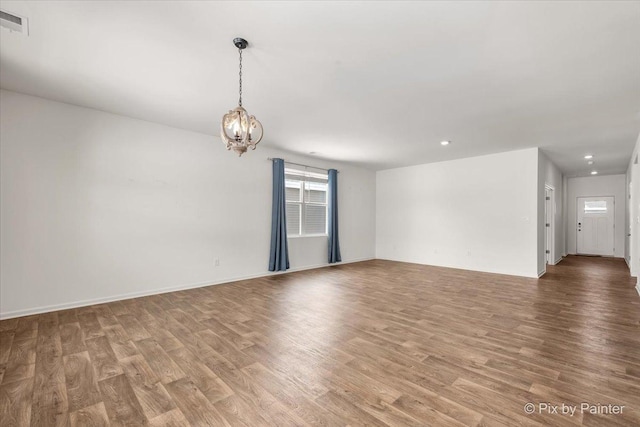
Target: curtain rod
[{"x": 300, "y": 164}]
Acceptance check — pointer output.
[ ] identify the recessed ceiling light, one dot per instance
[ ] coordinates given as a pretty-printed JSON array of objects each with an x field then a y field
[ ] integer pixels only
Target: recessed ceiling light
[
  {"x": 588, "y": 156},
  {"x": 590, "y": 162},
  {"x": 594, "y": 172},
  {"x": 445, "y": 142}
]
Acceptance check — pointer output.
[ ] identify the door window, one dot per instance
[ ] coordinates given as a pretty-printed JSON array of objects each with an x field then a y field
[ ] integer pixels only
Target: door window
[{"x": 595, "y": 206}]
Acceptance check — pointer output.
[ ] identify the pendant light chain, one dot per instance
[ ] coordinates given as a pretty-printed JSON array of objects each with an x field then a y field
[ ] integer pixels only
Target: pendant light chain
[{"x": 240, "y": 74}]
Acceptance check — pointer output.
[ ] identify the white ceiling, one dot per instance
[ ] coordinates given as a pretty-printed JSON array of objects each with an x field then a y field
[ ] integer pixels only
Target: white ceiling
[{"x": 375, "y": 83}]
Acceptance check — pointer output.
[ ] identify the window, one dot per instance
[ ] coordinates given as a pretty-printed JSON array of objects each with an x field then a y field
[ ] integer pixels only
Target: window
[
  {"x": 595, "y": 207},
  {"x": 306, "y": 196}
]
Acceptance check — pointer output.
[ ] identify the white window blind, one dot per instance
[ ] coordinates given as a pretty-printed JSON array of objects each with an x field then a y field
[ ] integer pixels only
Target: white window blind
[{"x": 306, "y": 197}]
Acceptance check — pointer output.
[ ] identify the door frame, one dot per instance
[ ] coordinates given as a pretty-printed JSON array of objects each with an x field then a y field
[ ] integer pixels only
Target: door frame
[
  {"x": 614, "y": 222},
  {"x": 549, "y": 231}
]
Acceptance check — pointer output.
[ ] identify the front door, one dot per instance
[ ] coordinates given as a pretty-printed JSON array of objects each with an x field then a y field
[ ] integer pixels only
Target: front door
[{"x": 595, "y": 225}]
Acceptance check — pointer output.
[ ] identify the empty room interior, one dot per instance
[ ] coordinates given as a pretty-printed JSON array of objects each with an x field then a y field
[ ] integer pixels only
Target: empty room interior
[{"x": 319, "y": 213}]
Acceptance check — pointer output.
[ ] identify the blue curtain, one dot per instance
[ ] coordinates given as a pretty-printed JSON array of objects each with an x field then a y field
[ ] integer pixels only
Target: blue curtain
[
  {"x": 334, "y": 243},
  {"x": 279, "y": 258}
]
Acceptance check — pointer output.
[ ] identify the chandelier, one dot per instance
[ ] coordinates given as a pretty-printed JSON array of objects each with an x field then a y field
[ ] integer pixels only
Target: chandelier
[{"x": 239, "y": 130}]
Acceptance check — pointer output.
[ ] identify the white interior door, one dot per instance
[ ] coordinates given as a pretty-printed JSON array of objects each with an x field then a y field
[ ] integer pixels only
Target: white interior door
[
  {"x": 595, "y": 225},
  {"x": 548, "y": 235},
  {"x": 634, "y": 221}
]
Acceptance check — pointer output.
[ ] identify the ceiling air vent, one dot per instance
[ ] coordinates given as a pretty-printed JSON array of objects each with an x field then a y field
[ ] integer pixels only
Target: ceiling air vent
[{"x": 14, "y": 23}]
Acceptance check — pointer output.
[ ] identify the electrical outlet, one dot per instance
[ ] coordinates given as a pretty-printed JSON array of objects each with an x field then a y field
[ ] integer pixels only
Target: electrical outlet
[{"x": 217, "y": 262}]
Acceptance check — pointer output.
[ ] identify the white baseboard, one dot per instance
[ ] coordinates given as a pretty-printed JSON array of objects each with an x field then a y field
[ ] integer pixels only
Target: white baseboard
[
  {"x": 458, "y": 267},
  {"x": 120, "y": 297},
  {"x": 542, "y": 273},
  {"x": 638, "y": 288}
]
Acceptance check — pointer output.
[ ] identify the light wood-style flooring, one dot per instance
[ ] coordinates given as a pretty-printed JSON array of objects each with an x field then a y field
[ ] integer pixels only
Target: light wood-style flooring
[{"x": 371, "y": 343}]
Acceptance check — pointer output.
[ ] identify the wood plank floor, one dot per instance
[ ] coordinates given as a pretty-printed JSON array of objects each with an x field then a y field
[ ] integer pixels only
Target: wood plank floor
[{"x": 372, "y": 343}]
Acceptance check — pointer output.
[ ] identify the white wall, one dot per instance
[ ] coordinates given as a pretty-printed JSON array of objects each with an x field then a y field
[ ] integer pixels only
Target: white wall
[
  {"x": 96, "y": 206},
  {"x": 550, "y": 175},
  {"x": 477, "y": 213},
  {"x": 632, "y": 213},
  {"x": 594, "y": 186}
]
